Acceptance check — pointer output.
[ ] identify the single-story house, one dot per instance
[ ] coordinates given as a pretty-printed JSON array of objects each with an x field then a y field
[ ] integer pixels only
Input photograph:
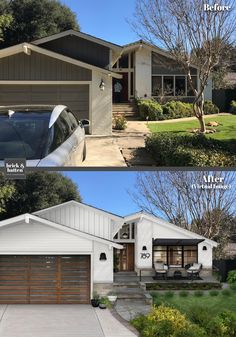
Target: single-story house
[
  {"x": 80, "y": 70},
  {"x": 63, "y": 253}
]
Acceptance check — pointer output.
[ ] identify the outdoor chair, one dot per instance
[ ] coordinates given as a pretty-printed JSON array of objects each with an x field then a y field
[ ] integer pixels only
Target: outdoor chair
[
  {"x": 194, "y": 270},
  {"x": 161, "y": 270}
]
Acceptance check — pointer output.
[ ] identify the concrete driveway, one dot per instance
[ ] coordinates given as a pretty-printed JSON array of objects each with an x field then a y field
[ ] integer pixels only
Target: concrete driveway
[{"x": 59, "y": 321}]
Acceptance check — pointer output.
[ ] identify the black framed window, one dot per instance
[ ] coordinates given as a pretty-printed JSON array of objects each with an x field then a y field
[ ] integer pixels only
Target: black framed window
[
  {"x": 168, "y": 85},
  {"x": 160, "y": 254},
  {"x": 190, "y": 254},
  {"x": 180, "y": 86},
  {"x": 175, "y": 255}
]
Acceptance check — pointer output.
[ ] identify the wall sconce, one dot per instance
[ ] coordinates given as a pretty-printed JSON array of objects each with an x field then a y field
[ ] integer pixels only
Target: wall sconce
[
  {"x": 125, "y": 236},
  {"x": 102, "y": 85},
  {"x": 103, "y": 257},
  {"x": 204, "y": 248},
  {"x": 144, "y": 247}
]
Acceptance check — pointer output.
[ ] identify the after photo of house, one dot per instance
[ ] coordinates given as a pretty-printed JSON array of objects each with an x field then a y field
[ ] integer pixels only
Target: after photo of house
[{"x": 64, "y": 240}]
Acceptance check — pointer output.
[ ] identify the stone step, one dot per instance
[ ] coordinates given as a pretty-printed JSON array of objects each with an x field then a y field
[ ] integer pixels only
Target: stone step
[
  {"x": 125, "y": 285},
  {"x": 131, "y": 296},
  {"x": 126, "y": 273}
]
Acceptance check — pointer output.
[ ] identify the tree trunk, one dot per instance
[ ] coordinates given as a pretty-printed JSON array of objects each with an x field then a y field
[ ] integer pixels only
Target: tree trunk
[
  {"x": 202, "y": 124},
  {"x": 198, "y": 107}
]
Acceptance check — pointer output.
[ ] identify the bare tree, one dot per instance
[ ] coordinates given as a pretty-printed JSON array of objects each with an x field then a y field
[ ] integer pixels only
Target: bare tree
[
  {"x": 191, "y": 34},
  {"x": 185, "y": 199}
]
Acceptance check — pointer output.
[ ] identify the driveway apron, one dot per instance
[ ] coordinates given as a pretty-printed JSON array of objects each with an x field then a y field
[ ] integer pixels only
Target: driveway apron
[{"x": 49, "y": 321}]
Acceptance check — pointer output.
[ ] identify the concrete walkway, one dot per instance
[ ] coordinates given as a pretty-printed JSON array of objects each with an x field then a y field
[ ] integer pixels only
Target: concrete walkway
[
  {"x": 103, "y": 152},
  {"x": 59, "y": 321}
]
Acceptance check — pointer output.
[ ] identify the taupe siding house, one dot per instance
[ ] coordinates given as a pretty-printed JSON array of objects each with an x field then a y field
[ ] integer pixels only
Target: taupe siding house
[{"x": 79, "y": 70}]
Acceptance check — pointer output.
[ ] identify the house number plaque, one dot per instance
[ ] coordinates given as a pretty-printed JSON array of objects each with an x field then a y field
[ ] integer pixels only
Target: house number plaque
[{"x": 145, "y": 255}]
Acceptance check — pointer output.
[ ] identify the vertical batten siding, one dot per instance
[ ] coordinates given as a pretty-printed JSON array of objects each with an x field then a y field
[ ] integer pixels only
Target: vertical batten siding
[
  {"x": 86, "y": 220},
  {"x": 35, "y": 237}
]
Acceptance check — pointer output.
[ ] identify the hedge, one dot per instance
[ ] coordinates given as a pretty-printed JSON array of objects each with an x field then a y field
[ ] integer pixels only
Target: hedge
[
  {"x": 153, "y": 111},
  {"x": 183, "y": 286}
]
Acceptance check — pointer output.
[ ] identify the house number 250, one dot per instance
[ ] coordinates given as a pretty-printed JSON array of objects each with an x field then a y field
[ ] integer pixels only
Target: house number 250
[{"x": 145, "y": 255}]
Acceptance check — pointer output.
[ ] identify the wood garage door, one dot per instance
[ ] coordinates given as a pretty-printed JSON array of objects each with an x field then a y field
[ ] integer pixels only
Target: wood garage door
[
  {"x": 76, "y": 97},
  {"x": 44, "y": 279}
]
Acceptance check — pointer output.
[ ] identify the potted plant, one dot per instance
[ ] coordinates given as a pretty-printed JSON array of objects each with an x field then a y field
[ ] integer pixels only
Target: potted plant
[
  {"x": 95, "y": 300},
  {"x": 112, "y": 297}
]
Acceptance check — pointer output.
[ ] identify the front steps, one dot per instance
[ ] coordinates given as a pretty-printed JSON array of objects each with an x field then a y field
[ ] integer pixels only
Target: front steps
[
  {"x": 128, "y": 288},
  {"x": 128, "y": 110}
]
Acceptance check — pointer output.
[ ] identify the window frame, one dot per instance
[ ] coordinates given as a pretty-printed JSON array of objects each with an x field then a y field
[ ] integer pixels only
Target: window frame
[{"x": 162, "y": 76}]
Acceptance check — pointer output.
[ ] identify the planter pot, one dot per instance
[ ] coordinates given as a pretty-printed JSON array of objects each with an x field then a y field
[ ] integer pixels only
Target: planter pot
[
  {"x": 112, "y": 298},
  {"x": 95, "y": 303},
  {"x": 102, "y": 306}
]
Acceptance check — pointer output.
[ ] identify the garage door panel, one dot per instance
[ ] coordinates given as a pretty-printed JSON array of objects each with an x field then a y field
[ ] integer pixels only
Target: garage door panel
[
  {"x": 44, "y": 279},
  {"x": 76, "y": 97}
]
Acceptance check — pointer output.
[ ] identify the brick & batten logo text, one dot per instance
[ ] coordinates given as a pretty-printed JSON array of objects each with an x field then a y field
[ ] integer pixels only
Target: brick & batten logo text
[
  {"x": 211, "y": 182},
  {"x": 216, "y": 8}
]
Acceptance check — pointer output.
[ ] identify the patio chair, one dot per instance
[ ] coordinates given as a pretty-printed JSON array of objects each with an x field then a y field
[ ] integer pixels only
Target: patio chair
[
  {"x": 194, "y": 270},
  {"x": 161, "y": 270}
]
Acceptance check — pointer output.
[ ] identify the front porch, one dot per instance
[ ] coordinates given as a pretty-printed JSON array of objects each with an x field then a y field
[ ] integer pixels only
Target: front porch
[{"x": 148, "y": 276}]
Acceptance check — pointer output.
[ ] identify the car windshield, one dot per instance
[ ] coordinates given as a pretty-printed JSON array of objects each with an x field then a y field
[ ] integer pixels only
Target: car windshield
[{"x": 23, "y": 134}]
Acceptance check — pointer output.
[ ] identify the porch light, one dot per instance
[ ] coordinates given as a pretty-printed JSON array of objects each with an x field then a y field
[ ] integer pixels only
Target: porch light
[
  {"x": 103, "y": 257},
  {"x": 102, "y": 85},
  {"x": 144, "y": 247},
  {"x": 204, "y": 248}
]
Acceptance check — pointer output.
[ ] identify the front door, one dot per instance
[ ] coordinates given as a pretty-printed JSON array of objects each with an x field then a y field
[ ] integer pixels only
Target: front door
[
  {"x": 124, "y": 94},
  {"x": 125, "y": 257}
]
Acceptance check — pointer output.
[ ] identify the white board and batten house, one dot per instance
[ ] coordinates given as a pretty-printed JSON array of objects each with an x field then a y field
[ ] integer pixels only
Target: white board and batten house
[{"x": 63, "y": 253}]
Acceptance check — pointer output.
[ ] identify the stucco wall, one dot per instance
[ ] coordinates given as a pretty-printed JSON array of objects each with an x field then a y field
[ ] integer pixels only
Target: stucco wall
[
  {"x": 101, "y": 105},
  {"x": 143, "y": 75},
  {"x": 143, "y": 238},
  {"x": 205, "y": 256},
  {"x": 103, "y": 270}
]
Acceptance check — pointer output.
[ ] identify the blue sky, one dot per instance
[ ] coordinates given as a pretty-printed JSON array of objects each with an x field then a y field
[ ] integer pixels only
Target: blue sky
[
  {"x": 105, "y": 19},
  {"x": 106, "y": 190}
]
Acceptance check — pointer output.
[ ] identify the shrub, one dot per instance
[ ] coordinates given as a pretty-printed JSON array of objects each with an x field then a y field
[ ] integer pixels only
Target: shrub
[
  {"x": 223, "y": 325},
  {"x": 231, "y": 278},
  {"x": 183, "y": 286},
  {"x": 169, "y": 149},
  {"x": 119, "y": 123},
  {"x": 177, "y": 109},
  {"x": 166, "y": 322},
  {"x": 233, "y": 286},
  {"x": 198, "y": 293},
  {"x": 226, "y": 292},
  {"x": 183, "y": 293},
  {"x": 233, "y": 107},
  {"x": 214, "y": 292},
  {"x": 150, "y": 109},
  {"x": 210, "y": 108}
]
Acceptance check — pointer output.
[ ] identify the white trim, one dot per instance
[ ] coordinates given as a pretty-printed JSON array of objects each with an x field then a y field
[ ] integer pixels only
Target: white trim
[
  {"x": 79, "y": 34},
  {"x": 20, "y": 48},
  {"x": 90, "y": 108},
  {"x": 5, "y": 82}
]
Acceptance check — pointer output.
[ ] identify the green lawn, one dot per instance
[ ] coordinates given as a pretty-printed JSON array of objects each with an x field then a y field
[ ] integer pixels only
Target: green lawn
[
  {"x": 225, "y": 131},
  {"x": 214, "y": 303}
]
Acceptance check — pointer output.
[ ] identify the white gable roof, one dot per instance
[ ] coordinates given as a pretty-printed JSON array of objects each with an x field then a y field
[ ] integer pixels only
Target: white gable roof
[{"x": 166, "y": 224}]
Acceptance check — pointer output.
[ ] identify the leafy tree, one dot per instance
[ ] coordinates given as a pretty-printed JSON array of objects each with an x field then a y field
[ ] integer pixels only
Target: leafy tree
[
  {"x": 5, "y": 22},
  {"x": 6, "y": 192},
  {"x": 39, "y": 190},
  {"x": 34, "y": 19}
]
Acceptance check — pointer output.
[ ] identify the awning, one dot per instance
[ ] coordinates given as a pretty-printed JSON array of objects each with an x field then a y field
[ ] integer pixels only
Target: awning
[{"x": 176, "y": 242}]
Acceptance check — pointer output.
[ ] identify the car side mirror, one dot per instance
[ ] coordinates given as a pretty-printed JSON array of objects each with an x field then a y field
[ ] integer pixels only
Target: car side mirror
[{"x": 85, "y": 122}]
